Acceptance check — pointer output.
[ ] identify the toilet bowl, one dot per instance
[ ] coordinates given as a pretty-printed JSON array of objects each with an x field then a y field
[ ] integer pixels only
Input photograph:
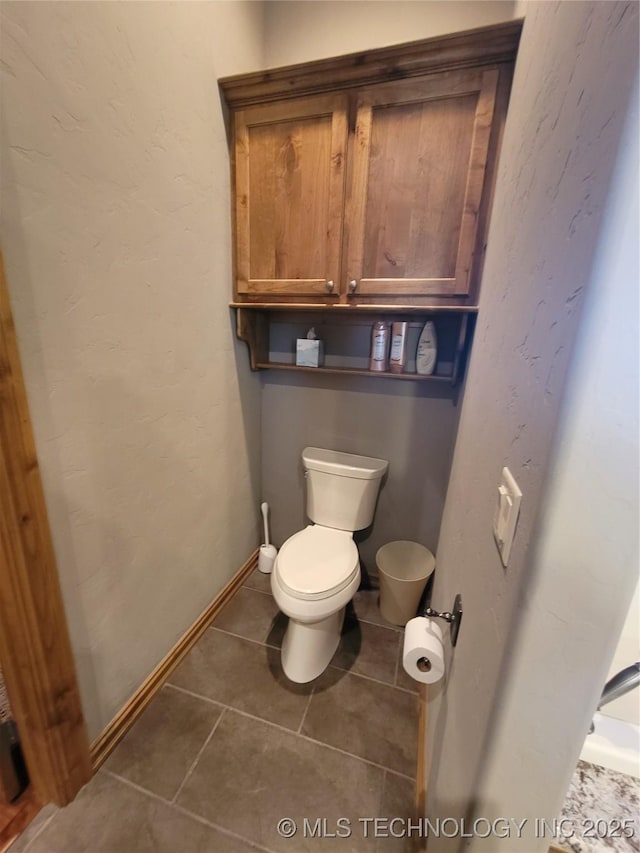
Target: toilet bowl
[
  {"x": 317, "y": 570},
  {"x": 316, "y": 574}
]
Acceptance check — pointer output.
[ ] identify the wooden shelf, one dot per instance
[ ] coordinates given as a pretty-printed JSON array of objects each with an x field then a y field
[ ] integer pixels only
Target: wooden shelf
[
  {"x": 265, "y": 329},
  {"x": 339, "y": 308},
  {"x": 353, "y": 371}
]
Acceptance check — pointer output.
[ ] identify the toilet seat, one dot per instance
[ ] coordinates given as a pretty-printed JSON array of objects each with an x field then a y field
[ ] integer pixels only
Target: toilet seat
[{"x": 317, "y": 562}]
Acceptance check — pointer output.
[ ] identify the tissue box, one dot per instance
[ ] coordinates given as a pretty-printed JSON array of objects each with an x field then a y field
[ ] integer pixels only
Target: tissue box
[{"x": 309, "y": 353}]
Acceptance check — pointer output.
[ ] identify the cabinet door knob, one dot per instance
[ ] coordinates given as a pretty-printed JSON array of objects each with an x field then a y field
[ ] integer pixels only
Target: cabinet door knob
[
  {"x": 330, "y": 286},
  {"x": 352, "y": 285}
]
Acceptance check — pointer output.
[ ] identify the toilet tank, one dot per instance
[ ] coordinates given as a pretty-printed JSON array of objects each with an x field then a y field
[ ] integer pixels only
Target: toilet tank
[{"x": 341, "y": 488}]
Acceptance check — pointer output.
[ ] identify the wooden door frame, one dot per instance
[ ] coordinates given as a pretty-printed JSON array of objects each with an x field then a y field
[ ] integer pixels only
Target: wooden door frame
[{"x": 35, "y": 651}]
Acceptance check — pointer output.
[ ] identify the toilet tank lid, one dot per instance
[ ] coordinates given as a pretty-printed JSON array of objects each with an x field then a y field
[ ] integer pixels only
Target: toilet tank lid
[{"x": 344, "y": 464}]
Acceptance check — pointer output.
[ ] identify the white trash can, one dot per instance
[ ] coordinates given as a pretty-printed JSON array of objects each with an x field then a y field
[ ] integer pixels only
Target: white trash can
[{"x": 404, "y": 569}]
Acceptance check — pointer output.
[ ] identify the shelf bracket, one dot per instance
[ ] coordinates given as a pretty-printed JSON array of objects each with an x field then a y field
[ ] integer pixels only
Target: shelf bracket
[{"x": 252, "y": 327}]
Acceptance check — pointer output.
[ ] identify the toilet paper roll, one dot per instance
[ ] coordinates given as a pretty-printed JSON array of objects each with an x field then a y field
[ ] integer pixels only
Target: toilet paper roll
[{"x": 423, "y": 652}]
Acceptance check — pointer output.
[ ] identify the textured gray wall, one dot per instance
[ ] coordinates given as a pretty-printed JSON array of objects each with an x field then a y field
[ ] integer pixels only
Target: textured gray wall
[
  {"x": 576, "y": 65},
  {"x": 300, "y": 30},
  {"x": 407, "y": 423},
  {"x": 585, "y": 564},
  {"x": 117, "y": 239}
]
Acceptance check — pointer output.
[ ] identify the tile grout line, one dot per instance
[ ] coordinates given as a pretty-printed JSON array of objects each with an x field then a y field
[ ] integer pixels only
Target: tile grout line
[
  {"x": 241, "y": 637},
  {"x": 37, "y": 834},
  {"x": 382, "y": 793},
  {"x": 271, "y": 645},
  {"x": 292, "y": 732},
  {"x": 393, "y": 628},
  {"x": 332, "y": 665},
  {"x": 395, "y": 675},
  {"x": 375, "y": 680},
  {"x": 197, "y": 758},
  {"x": 253, "y": 589},
  {"x": 306, "y": 708},
  {"x": 194, "y": 815}
]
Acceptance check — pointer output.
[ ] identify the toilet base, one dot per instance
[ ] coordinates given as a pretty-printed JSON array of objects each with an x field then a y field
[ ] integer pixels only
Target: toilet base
[{"x": 308, "y": 647}]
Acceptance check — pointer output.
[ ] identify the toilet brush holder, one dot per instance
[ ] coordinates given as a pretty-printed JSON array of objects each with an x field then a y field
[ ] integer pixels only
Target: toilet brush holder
[
  {"x": 268, "y": 553},
  {"x": 266, "y": 558}
]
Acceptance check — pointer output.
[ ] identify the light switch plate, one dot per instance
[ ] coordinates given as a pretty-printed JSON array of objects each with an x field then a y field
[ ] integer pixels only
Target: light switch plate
[{"x": 506, "y": 514}]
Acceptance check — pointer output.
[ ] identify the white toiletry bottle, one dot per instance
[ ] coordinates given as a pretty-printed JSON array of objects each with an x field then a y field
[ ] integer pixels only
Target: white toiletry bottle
[
  {"x": 398, "y": 347},
  {"x": 379, "y": 347},
  {"x": 427, "y": 352}
]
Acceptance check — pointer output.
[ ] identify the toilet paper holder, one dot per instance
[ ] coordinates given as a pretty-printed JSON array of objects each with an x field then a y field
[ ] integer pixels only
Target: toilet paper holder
[{"x": 454, "y": 618}]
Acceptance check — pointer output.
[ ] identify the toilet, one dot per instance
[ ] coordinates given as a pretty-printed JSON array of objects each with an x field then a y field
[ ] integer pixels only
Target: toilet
[{"x": 317, "y": 570}]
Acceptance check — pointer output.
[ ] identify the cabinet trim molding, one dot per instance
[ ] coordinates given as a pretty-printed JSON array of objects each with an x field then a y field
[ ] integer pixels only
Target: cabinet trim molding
[{"x": 475, "y": 48}]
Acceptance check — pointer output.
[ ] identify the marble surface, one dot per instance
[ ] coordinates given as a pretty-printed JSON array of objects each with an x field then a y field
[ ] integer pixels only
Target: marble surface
[{"x": 599, "y": 802}]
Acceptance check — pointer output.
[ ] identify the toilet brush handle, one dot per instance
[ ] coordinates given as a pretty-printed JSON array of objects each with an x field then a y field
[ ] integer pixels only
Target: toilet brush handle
[{"x": 264, "y": 506}]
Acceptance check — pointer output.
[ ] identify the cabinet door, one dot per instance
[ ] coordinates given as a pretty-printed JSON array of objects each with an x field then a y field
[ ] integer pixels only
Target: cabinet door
[
  {"x": 420, "y": 156},
  {"x": 290, "y": 196}
]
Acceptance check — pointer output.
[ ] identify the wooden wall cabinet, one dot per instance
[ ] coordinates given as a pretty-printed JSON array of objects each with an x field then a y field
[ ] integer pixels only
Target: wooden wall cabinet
[
  {"x": 419, "y": 163},
  {"x": 417, "y": 170},
  {"x": 289, "y": 196},
  {"x": 364, "y": 182}
]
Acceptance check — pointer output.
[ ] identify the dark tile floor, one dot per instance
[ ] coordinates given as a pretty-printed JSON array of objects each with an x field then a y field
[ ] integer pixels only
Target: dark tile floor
[{"x": 229, "y": 747}]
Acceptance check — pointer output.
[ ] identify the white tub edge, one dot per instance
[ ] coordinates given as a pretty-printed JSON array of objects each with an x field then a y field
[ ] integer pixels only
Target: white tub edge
[{"x": 614, "y": 744}]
